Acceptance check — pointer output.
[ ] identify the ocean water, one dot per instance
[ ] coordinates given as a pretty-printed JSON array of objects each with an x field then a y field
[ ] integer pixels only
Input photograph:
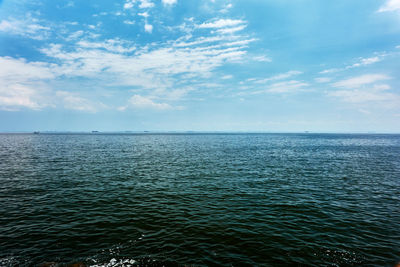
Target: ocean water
[{"x": 200, "y": 199}]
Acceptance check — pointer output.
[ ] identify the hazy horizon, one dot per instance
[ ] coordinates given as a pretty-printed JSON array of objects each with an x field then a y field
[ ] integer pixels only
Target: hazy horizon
[{"x": 190, "y": 132}]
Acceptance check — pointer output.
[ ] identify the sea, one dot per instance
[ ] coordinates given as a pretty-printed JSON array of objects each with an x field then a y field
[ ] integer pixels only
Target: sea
[{"x": 199, "y": 199}]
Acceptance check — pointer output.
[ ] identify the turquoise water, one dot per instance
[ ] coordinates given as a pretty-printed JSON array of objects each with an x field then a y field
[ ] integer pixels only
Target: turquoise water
[{"x": 200, "y": 199}]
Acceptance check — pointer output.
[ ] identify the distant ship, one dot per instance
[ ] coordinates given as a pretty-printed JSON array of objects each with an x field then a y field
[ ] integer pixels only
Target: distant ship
[
  {"x": 95, "y": 131},
  {"x": 36, "y": 132}
]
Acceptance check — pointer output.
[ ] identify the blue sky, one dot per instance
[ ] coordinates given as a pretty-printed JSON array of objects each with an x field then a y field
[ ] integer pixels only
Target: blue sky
[{"x": 206, "y": 65}]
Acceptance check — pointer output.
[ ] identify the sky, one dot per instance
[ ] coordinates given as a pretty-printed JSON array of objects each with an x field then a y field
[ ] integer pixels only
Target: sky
[{"x": 200, "y": 65}]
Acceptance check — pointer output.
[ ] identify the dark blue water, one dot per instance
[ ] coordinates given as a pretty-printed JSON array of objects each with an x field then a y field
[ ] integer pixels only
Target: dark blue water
[{"x": 200, "y": 199}]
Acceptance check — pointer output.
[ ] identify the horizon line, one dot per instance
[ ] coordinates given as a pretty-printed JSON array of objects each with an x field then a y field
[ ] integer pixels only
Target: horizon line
[{"x": 94, "y": 132}]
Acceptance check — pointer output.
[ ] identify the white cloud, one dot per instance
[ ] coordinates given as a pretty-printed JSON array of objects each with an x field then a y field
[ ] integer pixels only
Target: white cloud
[
  {"x": 129, "y": 22},
  {"x": 381, "y": 87},
  {"x": 231, "y": 30},
  {"x": 278, "y": 77},
  {"x": 172, "y": 95},
  {"x": 169, "y": 2},
  {"x": 226, "y": 8},
  {"x": 129, "y": 4},
  {"x": 221, "y": 23},
  {"x": 152, "y": 66},
  {"x": 204, "y": 40},
  {"x": 329, "y": 71},
  {"x": 163, "y": 69},
  {"x": 371, "y": 60},
  {"x": 100, "y": 14},
  {"x": 148, "y": 28},
  {"x": 15, "y": 96},
  {"x": 148, "y": 69},
  {"x": 364, "y": 111},
  {"x": 359, "y": 81},
  {"x": 142, "y": 102},
  {"x": 286, "y": 86},
  {"x": 21, "y": 83},
  {"x": 226, "y": 77},
  {"x": 245, "y": 42},
  {"x": 146, "y": 4},
  {"x": 75, "y": 35},
  {"x": 361, "y": 96},
  {"x": 112, "y": 45},
  {"x": 390, "y": 5},
  {"x": 20, "y": 70},
  {"x": 361, "y": 62},
  {"x": 278, "y": 87},
  {"x": 70, "y": 4},
  {"x": 28, "y": 27},
  {"x": 366, "y": 89},
  {"x": 75, "y": 102},
  {"x": 144, "y": 14},
  {"x": 142, "y": 4},
  {"x": 27, "y": 85},
  {"x": 262, "y": 58},
  {"x": 286, "y": 75},
  {"x": 364, "y": 62},
  {"x": 322, "y": 80}
]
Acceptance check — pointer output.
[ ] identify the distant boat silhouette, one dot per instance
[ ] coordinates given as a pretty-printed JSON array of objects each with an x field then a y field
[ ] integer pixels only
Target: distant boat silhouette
[{"x": 36, "y": 132}]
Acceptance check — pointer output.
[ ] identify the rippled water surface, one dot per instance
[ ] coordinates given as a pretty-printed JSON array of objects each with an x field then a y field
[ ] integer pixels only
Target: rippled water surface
[{"x": 200, "y": 199}]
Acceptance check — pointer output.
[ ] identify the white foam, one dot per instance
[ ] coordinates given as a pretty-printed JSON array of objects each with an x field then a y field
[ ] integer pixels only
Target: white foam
[{"x": 114, "y": 263}]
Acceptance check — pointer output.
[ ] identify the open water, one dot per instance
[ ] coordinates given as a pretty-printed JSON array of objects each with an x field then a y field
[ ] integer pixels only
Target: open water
[{"x": 200, "y": 199}]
